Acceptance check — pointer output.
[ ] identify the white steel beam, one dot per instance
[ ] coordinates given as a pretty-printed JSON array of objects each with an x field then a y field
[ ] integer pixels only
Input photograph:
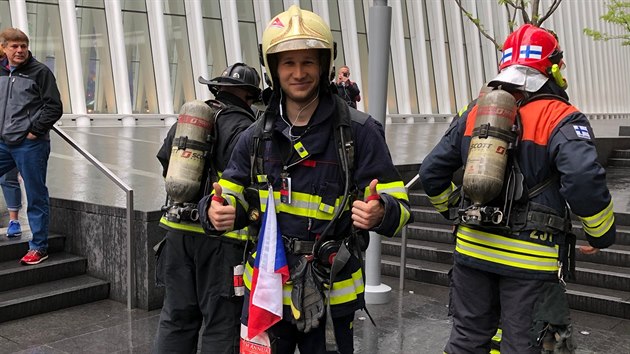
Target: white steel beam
[{"x": 72, "y": 49}]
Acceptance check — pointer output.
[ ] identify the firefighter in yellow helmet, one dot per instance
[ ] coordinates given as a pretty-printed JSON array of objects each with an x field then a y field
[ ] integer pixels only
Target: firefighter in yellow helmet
[{"x": 326, "y": 197}]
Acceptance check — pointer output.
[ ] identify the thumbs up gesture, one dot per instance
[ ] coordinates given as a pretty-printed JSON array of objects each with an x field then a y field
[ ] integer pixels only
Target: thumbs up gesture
[
  {"x": 369, "y": 213},
  {"x": 221, "y": 215}
]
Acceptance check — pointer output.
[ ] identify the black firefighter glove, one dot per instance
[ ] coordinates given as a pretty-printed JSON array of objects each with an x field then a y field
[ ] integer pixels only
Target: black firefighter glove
[{"x": 307, "y": 302}]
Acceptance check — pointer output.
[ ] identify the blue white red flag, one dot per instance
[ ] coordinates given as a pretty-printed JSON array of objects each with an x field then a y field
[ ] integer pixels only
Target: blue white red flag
[{"x": 270, "y": 273}]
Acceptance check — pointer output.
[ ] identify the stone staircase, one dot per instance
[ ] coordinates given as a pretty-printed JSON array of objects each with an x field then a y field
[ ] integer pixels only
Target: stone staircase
[
  {"x": 619, "y": 158},
  {"x": 59, "y": 282},
  {"x": 602, "y": 283}
]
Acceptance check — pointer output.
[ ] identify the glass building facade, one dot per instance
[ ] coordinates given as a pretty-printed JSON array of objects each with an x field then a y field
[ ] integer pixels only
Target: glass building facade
[{"x": 132, "y": 57}]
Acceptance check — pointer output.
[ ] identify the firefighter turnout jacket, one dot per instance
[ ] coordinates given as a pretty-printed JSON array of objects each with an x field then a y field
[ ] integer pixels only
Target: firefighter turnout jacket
[
  {"x": 556, "y": 139},
  {"x": 316, "y": 190},
  {"x": 229, "y": 123}
]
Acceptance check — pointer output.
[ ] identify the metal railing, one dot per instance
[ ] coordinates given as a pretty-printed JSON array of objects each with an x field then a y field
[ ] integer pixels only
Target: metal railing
[
  {"x": 403, "y": 239},
  {"x": 128, "y": 191}
]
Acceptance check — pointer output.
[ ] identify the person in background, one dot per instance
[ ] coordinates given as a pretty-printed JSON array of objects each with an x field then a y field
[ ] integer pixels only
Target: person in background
[
  {"x": 346, "y": 88},
  {"x": 32, "y": 106}
]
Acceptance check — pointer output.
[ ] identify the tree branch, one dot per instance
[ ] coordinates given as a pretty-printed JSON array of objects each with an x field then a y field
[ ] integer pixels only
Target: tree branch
[
  {"x": 552, "y": 9},
  {"x": 478, "y": 24}
]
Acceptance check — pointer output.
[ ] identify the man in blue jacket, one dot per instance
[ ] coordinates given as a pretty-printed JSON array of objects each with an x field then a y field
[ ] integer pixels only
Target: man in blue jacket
[{"x": 29, "y": 107}]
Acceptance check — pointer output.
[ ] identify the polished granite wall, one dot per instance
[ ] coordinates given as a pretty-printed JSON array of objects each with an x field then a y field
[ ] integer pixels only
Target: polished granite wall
[{"x": 98, "y": 232}]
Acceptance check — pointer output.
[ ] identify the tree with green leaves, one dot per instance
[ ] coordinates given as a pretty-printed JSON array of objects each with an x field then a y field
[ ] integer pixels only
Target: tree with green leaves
[
  {"x": 528, "y": 11},
  {"x": 618, "y": 14}
]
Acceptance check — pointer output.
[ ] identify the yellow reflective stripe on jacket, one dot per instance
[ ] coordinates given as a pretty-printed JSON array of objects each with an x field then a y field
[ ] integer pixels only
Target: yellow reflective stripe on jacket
[
  {"x": 232, "y": 188},
  {"x": 440, "y": 201},
  {"x": 404, "y": 217},
  {"x": 395, "y": 189},
  {"x": 507, "y": 251},
  {"x": 241, "y": 235},
  {"x": 182, "y": 226},
  {"x": 302, "y": 204},
  {"x": 342, "y": 292},
  {"x": 347, "y": 290},
  {"x": 600, "y": 223}
]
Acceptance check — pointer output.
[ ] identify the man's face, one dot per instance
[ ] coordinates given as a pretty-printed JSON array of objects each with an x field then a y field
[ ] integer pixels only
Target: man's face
[
  {"x": 299, "y": 72},
  {"x": 16, "y": 52},
  {"x": 344, "y": 74}
]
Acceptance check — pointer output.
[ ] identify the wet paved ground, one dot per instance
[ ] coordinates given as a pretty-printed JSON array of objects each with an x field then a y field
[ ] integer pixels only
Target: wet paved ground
[{"x": 415, "y": 321}]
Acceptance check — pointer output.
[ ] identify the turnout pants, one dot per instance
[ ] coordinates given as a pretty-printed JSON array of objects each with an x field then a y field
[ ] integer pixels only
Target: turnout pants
[
  {"x": 285, "y": 337},
  {"x": 479, "y": 300},
  {"x": 197, "y": 272}
]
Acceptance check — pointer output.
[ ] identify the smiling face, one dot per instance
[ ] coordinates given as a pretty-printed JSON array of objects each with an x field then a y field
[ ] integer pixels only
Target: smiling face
[
  {"x": 299, "y": 74},
  {"x": 16, "y": 52}
]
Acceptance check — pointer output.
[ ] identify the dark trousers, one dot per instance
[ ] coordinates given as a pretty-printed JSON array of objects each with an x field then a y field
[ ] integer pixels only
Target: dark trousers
[
  {"x": 479, "y": 300},
  {"x": 286, "y": 337},
  {"x": 197, "y": 272}
]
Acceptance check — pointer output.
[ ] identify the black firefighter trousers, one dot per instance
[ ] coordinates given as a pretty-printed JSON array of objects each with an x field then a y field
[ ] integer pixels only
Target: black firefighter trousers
[
  {"x": 197, "y": 272},
  {"x": 479, "y": 300}
]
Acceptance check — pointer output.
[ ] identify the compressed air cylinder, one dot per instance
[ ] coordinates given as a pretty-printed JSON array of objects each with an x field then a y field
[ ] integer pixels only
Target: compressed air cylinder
[
  {"x": 488, "y": 151},
  {"x": 188, "y": 153}
]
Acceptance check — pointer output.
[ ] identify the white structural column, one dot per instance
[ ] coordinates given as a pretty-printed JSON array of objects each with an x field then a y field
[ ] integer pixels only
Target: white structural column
[
  {"x": 194, "y": 24},
  {"x": 587, "y": 60},
  {"x": 569, "y": 52},
  {"x": 458, "y": 60},
  {"x": 488, "y": 49},
  {"x": 576, "y": 57},
  {"x": 596, "y": 85},
  {"x": 320, "y": 7},
  {"x": 116, "y": 35},
  {"x": 473, "y": 49},
  {"x": 419, "y": 53},
  {"x": 160, "y": 57},
  {"x": 72, "y": 49},
  {"x": 438, "y": 44},
  {"x": 262, "y": 15},
  {"x": 351, "y": 42},
  {"x": 19, "y": 17},
  {"x": 399, "y": 59},
  {"x": 231, "y": 35}
]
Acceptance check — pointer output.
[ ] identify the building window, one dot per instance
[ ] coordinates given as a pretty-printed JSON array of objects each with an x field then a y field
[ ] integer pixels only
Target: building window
[
  {"x": 215, "y": 44},
  {"x": 46, "y": 44},
  {"x": 178, "y": 48},
  {"x": 139, "y": 58},
  {"x": 96, "y": 58}
]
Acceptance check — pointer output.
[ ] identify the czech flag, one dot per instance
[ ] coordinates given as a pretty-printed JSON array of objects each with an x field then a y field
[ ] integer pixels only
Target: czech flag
[{"x": 270, "y": 273}]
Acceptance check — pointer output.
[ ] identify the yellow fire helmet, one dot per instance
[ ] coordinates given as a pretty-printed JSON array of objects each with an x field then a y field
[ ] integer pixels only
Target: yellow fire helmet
[{"x": 297, "y": 29}]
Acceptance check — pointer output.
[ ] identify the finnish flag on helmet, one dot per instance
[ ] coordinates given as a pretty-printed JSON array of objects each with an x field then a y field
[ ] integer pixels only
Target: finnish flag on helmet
[
  {"x": 531, "y": 52},
  {"x": 507, "y": 55}
]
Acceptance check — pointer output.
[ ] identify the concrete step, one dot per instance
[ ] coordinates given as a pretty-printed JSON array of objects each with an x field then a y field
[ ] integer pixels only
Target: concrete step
[
  {"x": 59, "y": 265},
  {"x": 15, "y": 249},
  {"x": 607, "y": 269},
  {"x": 618, "y": 162},
  {"x": 593, "y": 299},
  {"x": 622, "y": 154},
  {"x": 51, "y": 296}
]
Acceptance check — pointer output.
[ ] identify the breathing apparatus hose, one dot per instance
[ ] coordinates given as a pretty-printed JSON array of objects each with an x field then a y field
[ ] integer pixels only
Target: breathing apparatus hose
[{"x": 346, "y": 194}]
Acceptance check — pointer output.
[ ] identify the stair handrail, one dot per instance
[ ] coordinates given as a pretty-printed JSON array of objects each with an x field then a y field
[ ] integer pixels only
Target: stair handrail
[
  {"x": 403, "y": 239},
  {"x": 129, "y": 196}
]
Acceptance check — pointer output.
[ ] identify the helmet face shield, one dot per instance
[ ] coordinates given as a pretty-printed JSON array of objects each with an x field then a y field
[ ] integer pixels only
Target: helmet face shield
[{"x": 297, "y": 29}]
